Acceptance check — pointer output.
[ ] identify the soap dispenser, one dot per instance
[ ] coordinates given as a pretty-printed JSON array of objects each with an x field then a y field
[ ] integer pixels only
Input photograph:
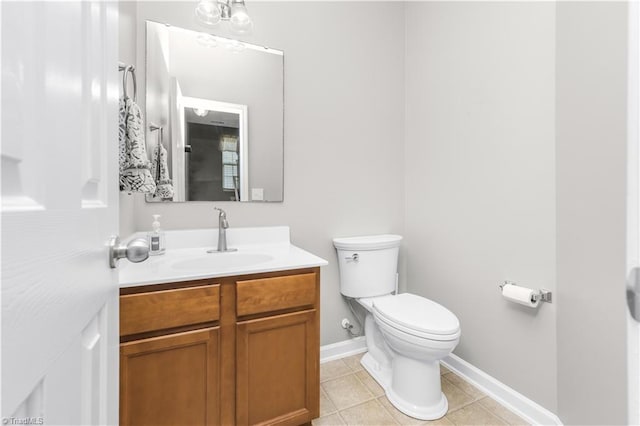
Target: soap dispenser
[{"x": 156, "y": 238}]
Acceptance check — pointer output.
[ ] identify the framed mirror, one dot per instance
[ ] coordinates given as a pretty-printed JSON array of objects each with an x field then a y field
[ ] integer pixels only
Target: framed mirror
[{"x": 217, "y": 106}]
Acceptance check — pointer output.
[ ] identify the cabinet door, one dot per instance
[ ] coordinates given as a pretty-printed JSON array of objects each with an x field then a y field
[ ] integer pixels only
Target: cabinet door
[
  {"x": 171, "y": 380},
  {"x": 278, "y": 379}
]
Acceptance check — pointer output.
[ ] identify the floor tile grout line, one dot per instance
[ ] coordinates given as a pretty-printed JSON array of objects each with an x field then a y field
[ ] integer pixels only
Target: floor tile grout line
[
  {"x": 499, "y": 416},
  {"x": 341, "y": 418},
  {"x": 363, "y": 384},
  {"x": 491, "y": 413},
  {"x": 335, "y": 361},
  {"x": 384, "y": 395},
  {"x": 330, "y": 400},
  {"x": 376, "y": 400},
  {"x": 463, "y": 391},
  {"x": 387, "y": 410},
  {"x": 351, "y": 370},
  {"x": 354, "y": 405},
  {"x": 460, "y": 407},
  {"x": 337, "y": 377},
  {"x": 444, "y": 375},
  {"x": 375, "y": 397}
]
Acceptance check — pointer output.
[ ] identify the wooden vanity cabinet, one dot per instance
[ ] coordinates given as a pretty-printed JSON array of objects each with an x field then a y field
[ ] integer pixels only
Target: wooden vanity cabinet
[
  {"x": 238, "y": 350},
  {"x": 170, "y": 356},
  {"x": 278, "y": 350},
  {"x": 276, "y": 370},
  {"x": 171, "y": 380}
]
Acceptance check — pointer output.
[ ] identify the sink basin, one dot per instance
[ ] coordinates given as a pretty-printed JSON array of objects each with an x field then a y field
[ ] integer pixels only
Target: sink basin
[{"x": 221, "y": 261}]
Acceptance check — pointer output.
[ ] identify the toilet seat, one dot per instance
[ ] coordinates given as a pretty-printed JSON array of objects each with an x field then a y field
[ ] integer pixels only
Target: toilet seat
[{"x": 417, "y": 316}]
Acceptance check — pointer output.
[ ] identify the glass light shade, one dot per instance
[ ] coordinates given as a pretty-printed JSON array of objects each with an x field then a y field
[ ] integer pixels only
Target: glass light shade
[
  {"x": 200, "y": 112},
  {"x": 240, "y": 20},
  {"x": 208, "y": 12},
  {"x": 206, "y": 40},
  {"x": 235, "y": 46}
]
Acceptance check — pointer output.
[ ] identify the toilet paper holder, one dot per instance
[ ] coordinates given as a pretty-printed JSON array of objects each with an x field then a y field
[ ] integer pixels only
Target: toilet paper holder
[{"x": 542, "y": 295}]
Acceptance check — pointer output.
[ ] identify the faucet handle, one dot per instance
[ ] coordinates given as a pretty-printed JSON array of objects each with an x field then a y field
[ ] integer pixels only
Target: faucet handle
[{"x": 222, "y": 212}]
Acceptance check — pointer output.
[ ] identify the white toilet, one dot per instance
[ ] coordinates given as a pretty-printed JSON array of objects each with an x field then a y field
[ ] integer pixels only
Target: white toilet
[{"x": 407, "y": 335}]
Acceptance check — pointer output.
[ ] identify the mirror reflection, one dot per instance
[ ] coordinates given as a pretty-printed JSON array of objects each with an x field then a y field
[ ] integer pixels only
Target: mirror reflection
[
  {"x": 219, "y": 103},
  {"x": 213, "y": 171}
]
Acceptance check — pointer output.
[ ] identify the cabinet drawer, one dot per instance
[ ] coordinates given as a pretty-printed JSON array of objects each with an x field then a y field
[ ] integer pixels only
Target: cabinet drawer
[
  {"x": 274, "y": 294},
  {"x": 160, "y": 310}
]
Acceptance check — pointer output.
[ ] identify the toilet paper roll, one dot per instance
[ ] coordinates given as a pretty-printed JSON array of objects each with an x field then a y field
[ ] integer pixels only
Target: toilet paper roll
[{"x": 521, "y": 295}]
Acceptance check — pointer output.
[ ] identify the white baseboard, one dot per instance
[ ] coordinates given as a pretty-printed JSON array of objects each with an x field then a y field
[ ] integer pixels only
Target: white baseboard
[
  {"x": 521, "y": 405},
  {"x": 342, "y": 349}
]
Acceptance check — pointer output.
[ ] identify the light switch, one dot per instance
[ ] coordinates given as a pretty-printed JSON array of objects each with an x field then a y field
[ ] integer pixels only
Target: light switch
[{"x": 257, "y": 194}]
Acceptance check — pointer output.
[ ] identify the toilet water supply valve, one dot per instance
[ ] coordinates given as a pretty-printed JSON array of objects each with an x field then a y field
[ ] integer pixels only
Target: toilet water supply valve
[{"x": 346, "y": 324}]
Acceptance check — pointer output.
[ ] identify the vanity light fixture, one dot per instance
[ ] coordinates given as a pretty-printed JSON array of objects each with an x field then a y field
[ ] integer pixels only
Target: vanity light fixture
[
  {"x": 211, "y": 12},
  {"x": 200, "y": 112}
]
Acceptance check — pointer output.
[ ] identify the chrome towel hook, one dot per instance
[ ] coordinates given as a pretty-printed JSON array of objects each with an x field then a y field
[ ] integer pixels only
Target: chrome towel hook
[{"x": 128, "y": 69}]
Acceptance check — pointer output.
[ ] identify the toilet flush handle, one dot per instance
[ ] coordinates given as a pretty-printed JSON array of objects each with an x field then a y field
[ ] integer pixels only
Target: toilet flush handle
[{"x": 354, "y": 257}]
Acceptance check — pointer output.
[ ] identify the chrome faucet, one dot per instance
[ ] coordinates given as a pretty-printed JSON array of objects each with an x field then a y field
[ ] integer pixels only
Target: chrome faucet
[{"x": 223, "y": 224}]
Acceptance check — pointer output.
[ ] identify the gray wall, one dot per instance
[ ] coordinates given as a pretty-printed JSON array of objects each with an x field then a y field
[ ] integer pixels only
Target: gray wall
[
  {"x": 480, "y": 197},
  {"x": 341, "y": 74},
  {"x": 591, "y": 172}
]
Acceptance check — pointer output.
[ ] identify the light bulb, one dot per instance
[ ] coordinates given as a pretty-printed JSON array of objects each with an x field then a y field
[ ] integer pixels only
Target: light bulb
[
  {"x": 240, "y": 20},
  {"x": 208, "y": 12}
]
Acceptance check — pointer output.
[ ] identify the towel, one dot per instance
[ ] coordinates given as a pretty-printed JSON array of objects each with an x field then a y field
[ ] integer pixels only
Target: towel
[
  {"x": 164, "y": 187},
  {"x": 135, "y": 170}
]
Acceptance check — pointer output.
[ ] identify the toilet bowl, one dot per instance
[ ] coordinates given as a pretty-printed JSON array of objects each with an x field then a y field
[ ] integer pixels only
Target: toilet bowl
[
  {"x": 420, "y": 333},
  {"x": 407, "y": 335}
]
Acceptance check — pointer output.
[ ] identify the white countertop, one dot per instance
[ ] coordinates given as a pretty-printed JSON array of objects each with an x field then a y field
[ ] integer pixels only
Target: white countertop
[{"x": 268, "y": 249}]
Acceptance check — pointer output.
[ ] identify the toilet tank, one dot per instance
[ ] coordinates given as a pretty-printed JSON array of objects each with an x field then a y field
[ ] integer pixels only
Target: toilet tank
[{"x": 368, "y": 264}]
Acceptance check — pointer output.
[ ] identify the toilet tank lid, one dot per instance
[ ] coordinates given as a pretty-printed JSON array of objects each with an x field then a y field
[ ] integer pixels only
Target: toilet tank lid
[{"x": 367, "y": 242}]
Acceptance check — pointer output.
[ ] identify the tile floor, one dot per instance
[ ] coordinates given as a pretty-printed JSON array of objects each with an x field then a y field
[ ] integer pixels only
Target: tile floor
[{"x": 350, "y": 396}]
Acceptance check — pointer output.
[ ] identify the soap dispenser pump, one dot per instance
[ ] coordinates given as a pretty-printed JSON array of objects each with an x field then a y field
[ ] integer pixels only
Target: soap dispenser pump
[{"x": 156, "y": 238}]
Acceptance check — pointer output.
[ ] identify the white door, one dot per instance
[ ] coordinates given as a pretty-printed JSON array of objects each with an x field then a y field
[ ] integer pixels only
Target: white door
[
  {"x": 633, "y": 217},
  {"x": 59, "y": 206}
]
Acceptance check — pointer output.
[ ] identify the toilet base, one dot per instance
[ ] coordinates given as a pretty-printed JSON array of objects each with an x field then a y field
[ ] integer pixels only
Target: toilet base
[
  {"x": 433, "y": 412},
  {"x": 384, "y": 378},
  {"x": 380, "y": 374}
]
